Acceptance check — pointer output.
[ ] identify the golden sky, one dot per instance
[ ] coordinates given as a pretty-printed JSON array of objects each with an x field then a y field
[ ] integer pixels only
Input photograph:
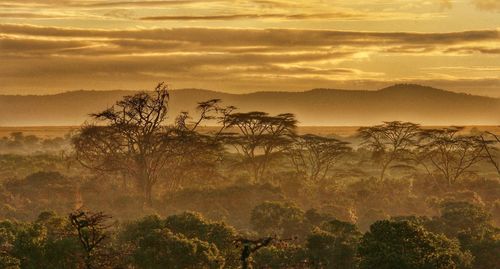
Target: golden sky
[{"x": 50, "y": 46}]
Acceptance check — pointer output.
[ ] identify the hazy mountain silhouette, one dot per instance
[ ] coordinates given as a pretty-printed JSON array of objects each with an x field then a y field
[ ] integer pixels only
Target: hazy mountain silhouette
[{"x": 407, "y": 102}]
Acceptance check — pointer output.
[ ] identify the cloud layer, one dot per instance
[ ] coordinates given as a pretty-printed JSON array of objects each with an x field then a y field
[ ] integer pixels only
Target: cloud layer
[
  {"x": 247, "y": 45},
  {"x": 284, "y": 58},
  {"x": 488, "y": 5}
]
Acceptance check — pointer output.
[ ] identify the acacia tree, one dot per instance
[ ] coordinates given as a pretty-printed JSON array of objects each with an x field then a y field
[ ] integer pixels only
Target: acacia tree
[
  {"x": 91, "y": 232},
  {"x": 390, "y": 142},
  {"x": 449, "y": 153},
  {"x": 260, "y": 138},
  {"x": 494, "y": 136},
  {"x": 132, "y": 138},
  {"x": 196, "y": 154},
  {"x": 489, "y": 141},
  {"x": 315, "y": 156},
  {"x": 250, "y": 247}
]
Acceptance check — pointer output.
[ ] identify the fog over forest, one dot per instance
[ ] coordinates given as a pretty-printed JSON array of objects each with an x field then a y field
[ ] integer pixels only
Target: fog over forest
[
  {"x": 223, "y": 188},
  {"x": 249, "y": 134}
]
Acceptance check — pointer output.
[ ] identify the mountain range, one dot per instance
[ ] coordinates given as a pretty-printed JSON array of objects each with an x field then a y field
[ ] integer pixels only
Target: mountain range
[{"x": 406, "y": 102}]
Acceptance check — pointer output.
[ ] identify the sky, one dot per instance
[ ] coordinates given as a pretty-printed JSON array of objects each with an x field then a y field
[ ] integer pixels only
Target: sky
[{"x": 240, "y": 46}]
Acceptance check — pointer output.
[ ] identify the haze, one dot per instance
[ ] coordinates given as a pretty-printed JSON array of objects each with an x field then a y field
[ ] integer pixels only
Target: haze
[
  {"x": 51, "y": 46},
  {"x": 217, "y": 134}
]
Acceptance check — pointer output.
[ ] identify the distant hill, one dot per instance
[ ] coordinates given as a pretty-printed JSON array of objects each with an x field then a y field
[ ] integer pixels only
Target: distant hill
[{"x": 406, "y": 102}]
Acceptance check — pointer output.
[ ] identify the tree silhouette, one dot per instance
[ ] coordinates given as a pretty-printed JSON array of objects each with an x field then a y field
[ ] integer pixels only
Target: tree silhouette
[
  {"x": 91, "y": 232},
  {"x": 250, "y": 247},
  {"x": 450, "y": 153},
  {"x": 390, "y": 142},
  {"x": 490, "y": 149},
  {"x": 260, "y": 138},
  {"x": 132, "y": 138},
  {"x": 315, "y": 156}
]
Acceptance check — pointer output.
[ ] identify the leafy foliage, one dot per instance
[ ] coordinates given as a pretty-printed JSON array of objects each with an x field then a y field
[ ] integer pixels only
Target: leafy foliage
[{"x": 403, "y": 244}]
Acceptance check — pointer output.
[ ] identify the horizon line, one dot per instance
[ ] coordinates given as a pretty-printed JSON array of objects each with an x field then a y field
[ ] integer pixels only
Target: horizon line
[{"x": 254, "y": 92}]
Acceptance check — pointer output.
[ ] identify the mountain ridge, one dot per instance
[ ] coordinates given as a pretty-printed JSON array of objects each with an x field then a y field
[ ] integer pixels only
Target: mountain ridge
[
  {"x": 319, "y": 106},
  {"x": 389, "y": 88}
]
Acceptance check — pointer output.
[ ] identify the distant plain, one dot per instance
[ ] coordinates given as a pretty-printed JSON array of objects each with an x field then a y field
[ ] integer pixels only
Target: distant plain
[{"x": 343, "y": 131}]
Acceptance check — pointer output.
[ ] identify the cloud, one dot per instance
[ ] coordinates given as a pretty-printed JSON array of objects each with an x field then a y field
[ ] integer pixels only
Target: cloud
[
  {"x": 222, "y": 58},
  {"x": 189, "y": 54},
  {"x": 466, "y": 68},
  {"x": 474, "y": 49},
  {"x": 27, "y": 15},
  {"x": 445, "y": 4},
  {"x": 338, "y": 16},
  {"x": 244, "y": 37},
  {"x": 207, "y": 71},
  {"x": 63, "y": 73},
  {"x": 37, "y": 46},
  {"x": 107, "y": 4},
  {"x": 215, "y": 10},
  {"x": 487, "y": 5},
  {"x": 98, "y": 3},
  {"x": 484, "y": 5}
]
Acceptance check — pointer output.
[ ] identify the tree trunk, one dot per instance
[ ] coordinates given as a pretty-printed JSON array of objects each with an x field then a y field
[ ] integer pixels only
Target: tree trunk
[
  {"x": 148, "y": 197},
  {"x": 245, "y": 264},
  {"x": 88, "y": 261},
  {"x": 382, "y": 173},
  {"x": 145, "y": 182}
]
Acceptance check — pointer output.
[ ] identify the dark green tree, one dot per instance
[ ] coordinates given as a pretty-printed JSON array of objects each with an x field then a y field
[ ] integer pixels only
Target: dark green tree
[
  {"x": 160, "y": 249},
  {"x": 406, "y": 245},
  {"x": 190, "y": 230},
  {"x": 7, "y": 237},
  {"x": 334, "y": 245},
  {"x": 194, "y": 226},
  {"x": 283, "y": 220},
  {"x": 46, "y": 243},
  {"x": 281, "y": 255},
  {"x": 472, "y": 226}
]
